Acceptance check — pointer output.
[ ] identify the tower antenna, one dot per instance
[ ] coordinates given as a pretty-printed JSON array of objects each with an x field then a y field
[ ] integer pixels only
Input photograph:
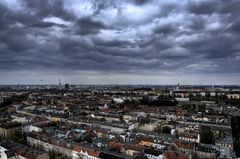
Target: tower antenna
[{"x": 59, "y": 81}]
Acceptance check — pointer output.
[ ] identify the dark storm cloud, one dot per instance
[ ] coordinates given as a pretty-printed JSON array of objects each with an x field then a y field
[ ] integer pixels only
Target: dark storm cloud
[
  {"x": 141, "y": 2},
  {"x": 205, "y": 7},
  {"x": 165, "y": 29},
  {"x": 4, "y": 22},
  {"x": 197, "y": 24},
  {"x": 45, "y": 25},
  {"x": 113, "y": 43},
  {"x": 45, "y": 8},
  {"x": 100, "y": 6},
  {"x": 217, "y": 46},
  {"x": 120, "y": 36},
  {"x": 235, "y": 27},
  {"x": 87, "y": 25},
  {"x": 15, "y": 40}
]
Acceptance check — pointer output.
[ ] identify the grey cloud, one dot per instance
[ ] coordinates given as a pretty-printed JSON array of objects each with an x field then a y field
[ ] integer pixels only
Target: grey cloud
[
  {"x": 4, "y": 21},
  {"x": 165, "y": 29},
  {"x": 45, "y": 25},
  {"x": 47, "y": 8},
  {"x": 141, "y": 2},
  {"x": 113, "y": 43},
  {"x": 87, "y": 25},
  {"x": 99, "y": 6},
  {"x": 235, "y": 27},
  {"x": 218, "y": 46},
  {"x": 192, "y": 37},
  {"x": 15, "y": 42},
  {"x": 204, "y": 7},
  {"x": 197, "y": 24},
  {"x": 168, "y": 9},
  {"x": 207, "y": 7}
]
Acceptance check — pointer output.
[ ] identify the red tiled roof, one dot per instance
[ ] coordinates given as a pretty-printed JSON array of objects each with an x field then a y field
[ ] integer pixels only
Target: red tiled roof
[
  {"x": 27, "y": 153},
  {"x": 114, "y": 144},
  {"x": 101, "y": 131},
  {"x": 189, "y": 135},
  {"x": 134, "y": 147},
  {"x": 182, "y": 144},
  {"x": 91, "y": 152}
]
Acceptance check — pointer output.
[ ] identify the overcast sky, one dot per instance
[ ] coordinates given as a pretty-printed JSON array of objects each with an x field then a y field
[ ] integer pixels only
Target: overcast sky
[{"x": 120, "y": 41}]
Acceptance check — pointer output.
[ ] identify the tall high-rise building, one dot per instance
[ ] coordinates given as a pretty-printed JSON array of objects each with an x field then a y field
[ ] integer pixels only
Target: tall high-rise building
[{"x": 67, "y": 86}]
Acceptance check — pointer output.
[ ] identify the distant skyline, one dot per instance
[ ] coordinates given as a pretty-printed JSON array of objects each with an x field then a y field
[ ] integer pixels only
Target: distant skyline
[{"x": 120, "y": 42}]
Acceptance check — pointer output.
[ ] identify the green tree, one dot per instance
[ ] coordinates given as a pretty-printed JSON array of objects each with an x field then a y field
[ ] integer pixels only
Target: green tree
[
  {"x": 158, "y": 129},
  {"x": 237, "y": 147},
  {"x": 166, "y": 130},
  {"x": 202, "y": 108},
  {"x": 52, "y": 154},
  {"x": 188, "y": 107},
  {"x": 207, "y": 136},
  {"x": 144, "y": 120}
]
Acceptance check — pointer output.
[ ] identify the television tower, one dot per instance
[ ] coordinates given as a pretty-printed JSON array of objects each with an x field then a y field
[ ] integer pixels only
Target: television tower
[{"x": 59, "y": 81}]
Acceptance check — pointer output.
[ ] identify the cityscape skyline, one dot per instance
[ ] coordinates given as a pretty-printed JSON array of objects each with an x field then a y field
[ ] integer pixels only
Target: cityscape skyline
[{"x": 119, "y": 79}]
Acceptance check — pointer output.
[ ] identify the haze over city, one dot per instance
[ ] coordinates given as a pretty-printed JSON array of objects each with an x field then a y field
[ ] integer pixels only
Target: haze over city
[{"x": 119, "y": 42}]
